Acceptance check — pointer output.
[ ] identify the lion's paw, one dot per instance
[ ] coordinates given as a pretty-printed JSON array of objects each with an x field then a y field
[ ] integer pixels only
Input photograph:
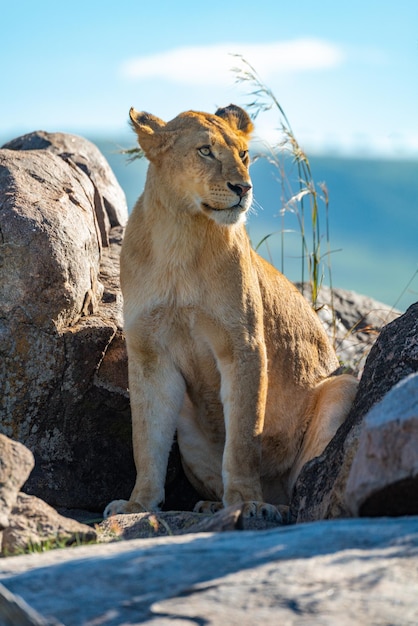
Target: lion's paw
[
  {"x": 261, "y": 510},
  {"x": 114, "y": 508},
  {"x": 206, "y": 506}
]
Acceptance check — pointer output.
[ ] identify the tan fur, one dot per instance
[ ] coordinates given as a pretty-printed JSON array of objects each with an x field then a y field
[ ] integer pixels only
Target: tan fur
[{"x": 221, "y": 346}]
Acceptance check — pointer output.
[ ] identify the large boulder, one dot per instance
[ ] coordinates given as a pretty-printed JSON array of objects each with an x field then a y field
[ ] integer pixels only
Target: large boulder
[
  {"x": 320, "y": 490},
  {"x": 63, "y": 366}
]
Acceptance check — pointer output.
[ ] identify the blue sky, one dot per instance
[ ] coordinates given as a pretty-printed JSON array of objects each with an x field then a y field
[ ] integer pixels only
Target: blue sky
[{"x": 345, "y": 73}]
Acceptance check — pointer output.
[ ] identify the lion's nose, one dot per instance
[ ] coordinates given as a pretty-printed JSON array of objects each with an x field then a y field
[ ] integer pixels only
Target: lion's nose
[{"x": 240, "y": 189}]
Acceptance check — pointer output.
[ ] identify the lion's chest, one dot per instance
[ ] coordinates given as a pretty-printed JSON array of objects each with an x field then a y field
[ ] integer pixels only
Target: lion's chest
[{"x": 179, "y": 332}]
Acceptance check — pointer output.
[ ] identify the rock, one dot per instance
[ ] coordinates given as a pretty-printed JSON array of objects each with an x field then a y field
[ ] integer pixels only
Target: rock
[
  {"x": 394, "y": 356},
  {"x": 50, "y": 241},
  {"x": 63, "y": 365},
  {"x": 383, "y": 479},
  {"x": 15, "y": 612},
  {"x": 112, "y": 209},
  {"x": 357, "y": 571},
  {"x": 353, "y": 323},
  {"x": 26, "y": 520},
  {"x": 33, "y": 523},
  {"x": 146, "y": 525},
  {"x": 320, "y": 489},
  {"x": 16, "y": 463}
]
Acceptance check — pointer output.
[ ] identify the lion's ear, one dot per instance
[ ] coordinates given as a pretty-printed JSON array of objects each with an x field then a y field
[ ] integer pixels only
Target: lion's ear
[
  {"x": 237, "y": 118},
  {"x": 152, "y": 136}
]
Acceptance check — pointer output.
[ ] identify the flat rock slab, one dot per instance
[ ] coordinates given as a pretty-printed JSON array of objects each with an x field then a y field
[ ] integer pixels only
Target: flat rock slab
[{"x": 358, "y": 571}]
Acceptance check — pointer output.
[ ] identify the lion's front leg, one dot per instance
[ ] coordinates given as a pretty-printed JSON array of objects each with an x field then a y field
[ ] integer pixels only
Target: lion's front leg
[
  {"x": 156, "y": 393},
  {"x": 243, "y": 393}
]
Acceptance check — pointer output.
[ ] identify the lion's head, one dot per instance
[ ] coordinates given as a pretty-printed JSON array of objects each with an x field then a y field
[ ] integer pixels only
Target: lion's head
[{"x": 201, "y": 160}]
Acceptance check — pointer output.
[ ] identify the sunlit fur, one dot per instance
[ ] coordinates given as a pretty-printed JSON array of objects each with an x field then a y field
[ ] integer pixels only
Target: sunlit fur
[{"x": 221, "y": 346}]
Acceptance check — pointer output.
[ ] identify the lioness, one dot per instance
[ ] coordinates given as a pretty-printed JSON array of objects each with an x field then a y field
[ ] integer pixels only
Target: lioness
[{"x": 221, "y": 346}]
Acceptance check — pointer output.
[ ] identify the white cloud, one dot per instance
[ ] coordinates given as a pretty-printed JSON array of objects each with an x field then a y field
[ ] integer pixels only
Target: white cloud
[{"x": 212, "y": 64}]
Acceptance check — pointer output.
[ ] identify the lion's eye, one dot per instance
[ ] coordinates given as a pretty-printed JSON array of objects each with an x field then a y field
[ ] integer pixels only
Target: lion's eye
[
  {"x": 243, "y": 154},
  {"x": 205, "y": 151}
]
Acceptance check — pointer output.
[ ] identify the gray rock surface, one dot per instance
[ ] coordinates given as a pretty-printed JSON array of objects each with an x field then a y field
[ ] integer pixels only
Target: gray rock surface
[
  {"x": 15, "y": 612},
  {"x": 359, "y": 314},
  {"x": 383, "y": 478},
  {"x": 326, "y": 573},
  {"x": 320, "y": 489},
  {"x": 25, "y": 520},
  {"x": 112, "y": 209},
  {"x": 353, "y": 323},
  {"x": 16, "y": 463},
  {"x": 63, "y": 383},
  {"x": 32, "y": 523},
  {"x": 50, "y": 240}
]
